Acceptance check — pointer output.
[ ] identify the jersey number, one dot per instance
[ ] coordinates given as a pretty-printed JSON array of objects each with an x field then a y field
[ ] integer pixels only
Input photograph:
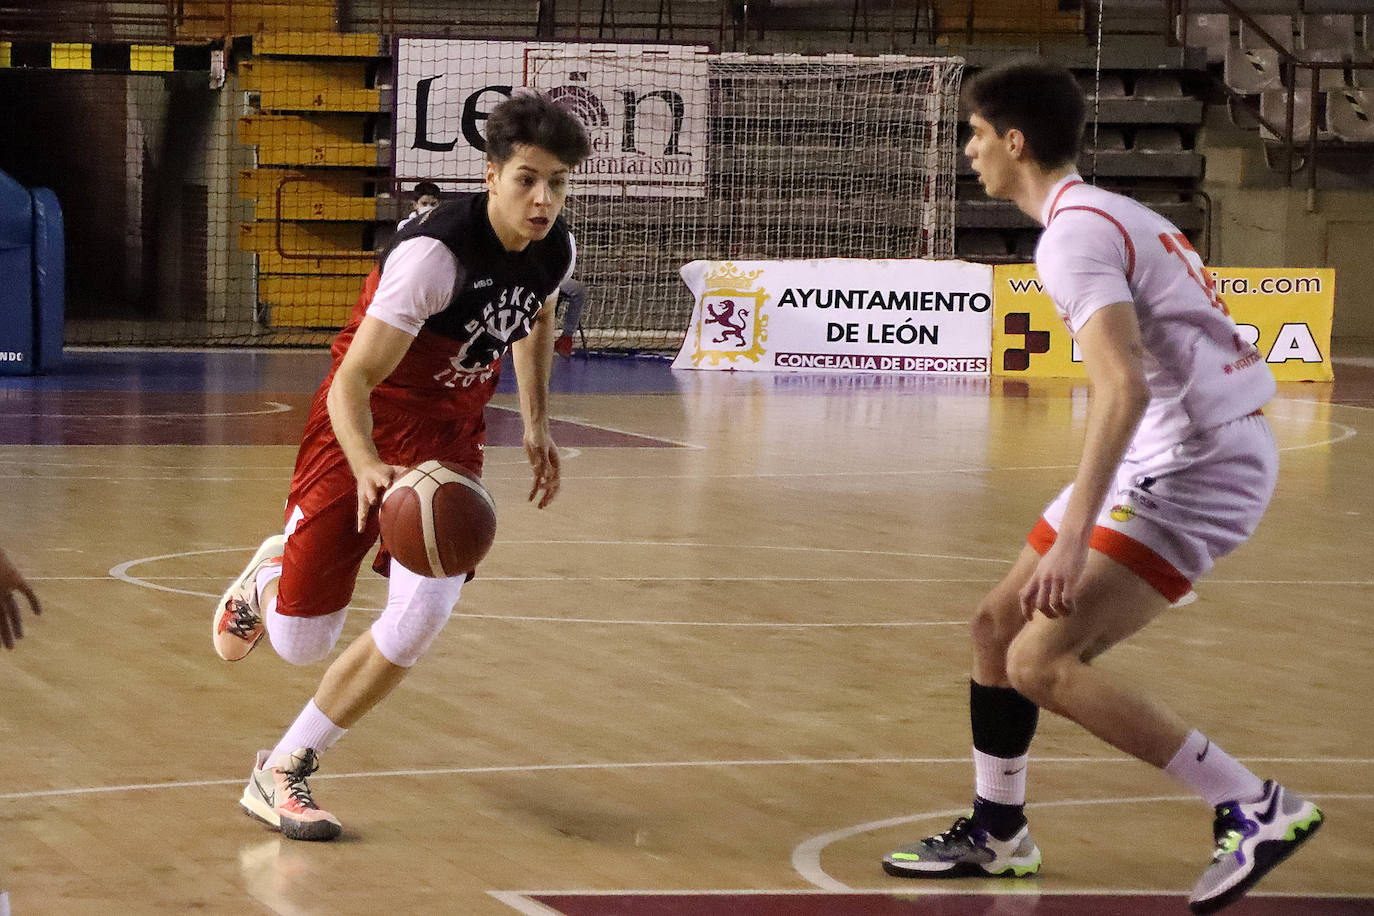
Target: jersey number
[{"x": 1177, "y": 244}]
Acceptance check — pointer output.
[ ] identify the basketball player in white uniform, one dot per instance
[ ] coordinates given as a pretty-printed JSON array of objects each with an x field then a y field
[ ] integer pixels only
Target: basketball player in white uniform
[{"x": 1177, "y": 467}]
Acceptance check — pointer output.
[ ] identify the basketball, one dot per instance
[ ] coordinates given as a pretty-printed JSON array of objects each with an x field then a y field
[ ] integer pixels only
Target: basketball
[{"x": 438, "y": 520}]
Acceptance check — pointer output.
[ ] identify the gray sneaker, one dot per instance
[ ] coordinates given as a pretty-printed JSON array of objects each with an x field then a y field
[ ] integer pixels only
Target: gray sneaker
[
  {"x": 278, "y": 795},
  {"x": 1252, "y": 838},
  {"x": 966, "y": 850}
]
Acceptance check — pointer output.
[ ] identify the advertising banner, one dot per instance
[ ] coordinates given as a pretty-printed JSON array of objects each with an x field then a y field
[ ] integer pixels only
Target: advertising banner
[
  {"x": 839, "y": 315},
  {"x": 644, "y": 108},
  {"x": 1285, "y": 311}
]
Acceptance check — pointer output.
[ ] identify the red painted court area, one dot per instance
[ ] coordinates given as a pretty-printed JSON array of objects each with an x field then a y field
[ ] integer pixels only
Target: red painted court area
[{"x": 935, "y": 904}]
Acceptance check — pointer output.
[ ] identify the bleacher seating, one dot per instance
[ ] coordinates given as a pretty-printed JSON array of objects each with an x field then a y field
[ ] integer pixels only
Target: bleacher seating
[
  {"x": 1350, "y": 114},
  {"x": 1250, "y": 69},
  {"x": 1142, "y": 146},
  {"x": 1259, "y": 77},
  {"x": 1276, "y": 26},
  {"x": 1274, "y": 109},
  {"x": 1210, "y": 31}
]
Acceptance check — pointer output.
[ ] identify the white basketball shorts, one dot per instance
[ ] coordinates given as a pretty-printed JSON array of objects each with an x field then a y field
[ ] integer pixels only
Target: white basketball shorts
[{"x": 1169, "y": 517}]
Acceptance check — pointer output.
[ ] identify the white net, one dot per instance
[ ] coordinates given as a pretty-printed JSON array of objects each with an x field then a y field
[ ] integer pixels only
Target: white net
[{"x": 741, "y": 157}]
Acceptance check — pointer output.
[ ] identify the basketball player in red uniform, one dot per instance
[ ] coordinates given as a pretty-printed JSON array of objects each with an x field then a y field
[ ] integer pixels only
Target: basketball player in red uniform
[
  {"x": 411, "y": 374},
  {"x": 1177, "y": 468}
]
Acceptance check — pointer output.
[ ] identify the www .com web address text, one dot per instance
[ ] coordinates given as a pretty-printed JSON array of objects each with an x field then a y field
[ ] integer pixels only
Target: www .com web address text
[{"x": 1226, "y": 286}]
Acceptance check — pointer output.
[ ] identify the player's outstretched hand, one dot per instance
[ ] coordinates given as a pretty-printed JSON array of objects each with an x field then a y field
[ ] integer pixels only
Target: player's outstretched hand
[
  {"x": 543, "y": 455},
  {"x": 11, "y": 617}
]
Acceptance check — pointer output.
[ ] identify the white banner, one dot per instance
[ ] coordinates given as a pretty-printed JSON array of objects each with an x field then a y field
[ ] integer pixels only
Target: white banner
[
  {"x": 839, "y": 315},
  {"x": 644, "y": 107}
]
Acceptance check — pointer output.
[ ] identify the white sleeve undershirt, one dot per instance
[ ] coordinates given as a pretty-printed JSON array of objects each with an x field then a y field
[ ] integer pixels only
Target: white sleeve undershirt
[{"x": 418, "y": 282}]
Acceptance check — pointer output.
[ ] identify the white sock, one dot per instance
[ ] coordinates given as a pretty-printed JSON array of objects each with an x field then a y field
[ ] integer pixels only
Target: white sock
[
  {"x": 312, "y": 729},
  {"x": 1212, "y": 773},
  {"x": 265, "y": 576},
  {"x": 1000, "y": 779}
]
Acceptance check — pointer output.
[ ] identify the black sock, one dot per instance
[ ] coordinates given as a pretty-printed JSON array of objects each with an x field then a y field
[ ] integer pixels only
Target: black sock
[
  {"x": 1002, "y": 821},
  {"x": 1003, "y": 725},
  {"x": 1003, "y": 720}
]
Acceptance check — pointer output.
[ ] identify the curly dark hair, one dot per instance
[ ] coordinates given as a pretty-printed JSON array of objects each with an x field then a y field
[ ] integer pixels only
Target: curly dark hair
[
  {"x": 531, "y": 119},
  {"x": 1038, "y": 98}
]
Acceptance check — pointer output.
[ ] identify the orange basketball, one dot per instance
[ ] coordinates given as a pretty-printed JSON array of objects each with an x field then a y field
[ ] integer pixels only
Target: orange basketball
[{"x": 438, "y": 520}]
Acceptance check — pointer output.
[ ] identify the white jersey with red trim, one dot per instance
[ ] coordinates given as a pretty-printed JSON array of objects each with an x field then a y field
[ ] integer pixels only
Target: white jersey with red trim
[{"x": 1100, "y": 248}]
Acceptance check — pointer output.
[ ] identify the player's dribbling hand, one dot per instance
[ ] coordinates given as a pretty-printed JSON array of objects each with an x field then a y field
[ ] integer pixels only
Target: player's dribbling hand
[
  {"x": 543, "y": 455},
  {"x": 372, "y": 483},
  {"x": 11, "y": 618}
]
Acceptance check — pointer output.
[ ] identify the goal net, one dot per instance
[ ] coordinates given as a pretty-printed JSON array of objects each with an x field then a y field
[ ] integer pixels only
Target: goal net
[{"x": 735, "y": 156}]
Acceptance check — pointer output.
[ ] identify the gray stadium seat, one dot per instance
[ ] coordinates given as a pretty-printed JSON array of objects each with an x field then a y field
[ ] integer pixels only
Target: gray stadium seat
[
  {"x": 1157, "y": 86},
  {"x": 1211, "y": 31},
  {"x": 1110, "y": 87},
  {"x": 981, "y": 243},
  {"x": 1274, "y": 106},
  {"x": 1155, "y": 197},
  {"x": 1329, "y": 39},
  {"x": 1107, "y": 139},
  {"x": 1350, "y": 114},
  {"x": 1158, "y": 140},
  {"x": 1279, "y": 28},
  {"x": 1250, "y": 70},
  {"x": 1336, "y": 6}
]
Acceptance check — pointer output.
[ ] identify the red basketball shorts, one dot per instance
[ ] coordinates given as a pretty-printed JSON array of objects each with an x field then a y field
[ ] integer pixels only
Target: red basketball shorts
[
  {"x": 324, "y": 549},
  {"x": 1169, "y": 517}
]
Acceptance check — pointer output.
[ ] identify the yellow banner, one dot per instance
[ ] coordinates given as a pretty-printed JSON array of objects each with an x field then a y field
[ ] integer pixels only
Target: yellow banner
[{"x": 1285, "y": 311}]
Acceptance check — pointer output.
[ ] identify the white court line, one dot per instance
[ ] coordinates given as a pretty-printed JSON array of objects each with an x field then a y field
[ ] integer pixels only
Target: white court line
[
  {"x": 962, "y": 760},
  {"x": 272, "y": 407},
  {"x": 521, "y": 902},
  {"x": 610, "y": 429},
  {"x": 121, "y": 573},
  {"x": 806, "y": 856}
]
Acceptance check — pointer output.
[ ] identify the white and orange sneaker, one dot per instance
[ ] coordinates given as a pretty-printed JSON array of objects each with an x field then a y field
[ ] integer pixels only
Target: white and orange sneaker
[
  {"x": 277, "y": 795},
  {"x": 238, "y": 623}
]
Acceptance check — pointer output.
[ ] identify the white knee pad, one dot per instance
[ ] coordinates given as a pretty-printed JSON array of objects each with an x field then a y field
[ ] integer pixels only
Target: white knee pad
[
  {"x": 303, "y": 640},
  {"x": 416, "y": 610}
]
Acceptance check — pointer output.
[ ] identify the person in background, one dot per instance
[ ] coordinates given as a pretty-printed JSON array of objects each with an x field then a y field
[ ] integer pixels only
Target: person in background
[
  {"x": 572, "y": 295},
  {"x": 426, "y": 198}
]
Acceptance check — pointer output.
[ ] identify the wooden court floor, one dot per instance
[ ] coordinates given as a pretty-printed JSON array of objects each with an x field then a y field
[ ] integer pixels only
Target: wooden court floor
[{"x": 723, "y": 674}]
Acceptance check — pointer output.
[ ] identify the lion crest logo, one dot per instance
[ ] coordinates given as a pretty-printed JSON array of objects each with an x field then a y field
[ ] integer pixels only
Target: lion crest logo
[
  {"x": 730, "y": 322},
  {"x": 724, "y": 313}
]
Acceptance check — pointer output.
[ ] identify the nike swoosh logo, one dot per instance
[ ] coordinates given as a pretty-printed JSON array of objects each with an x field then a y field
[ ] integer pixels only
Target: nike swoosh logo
[
  {"x": 1012, "y": 772},
  {"x": 1268, "y": 816},
  {"x": 1205, "y": 748}
]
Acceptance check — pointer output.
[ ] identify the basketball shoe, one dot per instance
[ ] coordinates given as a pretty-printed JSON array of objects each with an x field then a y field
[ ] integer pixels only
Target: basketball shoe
[
  {"x": 1252, "y": 838},
  {"x": 277, "y": 795},
  {"x": 238, "y": 623},
  {"x": 966, "y": 850}
]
